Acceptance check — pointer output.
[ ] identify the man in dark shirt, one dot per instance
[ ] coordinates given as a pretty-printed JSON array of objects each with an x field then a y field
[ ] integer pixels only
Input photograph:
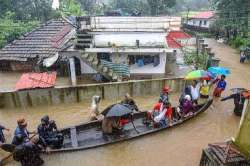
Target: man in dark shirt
[{"x": 47, "y": 131}]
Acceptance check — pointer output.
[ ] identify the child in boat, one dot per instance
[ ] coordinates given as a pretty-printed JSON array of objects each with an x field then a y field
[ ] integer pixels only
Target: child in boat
[
  {"x": 220, "y": 86},
  {"x": 161, "y": 114},
  {"x": 164, "y": 94}
]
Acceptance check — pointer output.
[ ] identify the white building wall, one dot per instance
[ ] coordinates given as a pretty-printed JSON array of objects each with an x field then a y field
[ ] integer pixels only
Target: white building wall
[
  {"x": 150, "y": 69},
  {"x": 204, "y": 23},
  {"x": 129, "y": 40},
  {"x": 117, "y": 24}
]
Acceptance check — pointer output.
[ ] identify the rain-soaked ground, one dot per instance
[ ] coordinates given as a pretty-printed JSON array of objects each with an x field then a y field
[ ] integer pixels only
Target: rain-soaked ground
[{"x": 180, "y": 146}]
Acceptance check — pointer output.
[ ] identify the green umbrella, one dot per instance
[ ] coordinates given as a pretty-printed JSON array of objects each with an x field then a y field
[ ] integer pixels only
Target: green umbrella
[{"x": 197, "y": 74}]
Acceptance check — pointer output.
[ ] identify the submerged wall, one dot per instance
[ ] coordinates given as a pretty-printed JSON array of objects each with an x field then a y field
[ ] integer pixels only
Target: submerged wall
[
  {"x": 243, "y": 137},
  {"x": 54, "y": 96}
]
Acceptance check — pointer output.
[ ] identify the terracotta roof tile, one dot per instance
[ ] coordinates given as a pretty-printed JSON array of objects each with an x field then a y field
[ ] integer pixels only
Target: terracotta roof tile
[
  {"x": 36, "y": 80},
  {"x": 204, "y": 15}
]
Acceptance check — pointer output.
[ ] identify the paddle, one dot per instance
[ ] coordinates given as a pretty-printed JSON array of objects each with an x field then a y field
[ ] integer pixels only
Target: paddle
[
  {"x": 132, "y": 121},
  {"x": 9, "y": 148}
]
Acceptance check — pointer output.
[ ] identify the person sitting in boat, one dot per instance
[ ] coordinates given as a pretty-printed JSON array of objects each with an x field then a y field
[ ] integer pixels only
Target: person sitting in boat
[
  {"x": 2, "y": 138},
  {"x": 164, "y": 94},
  {"x": 204, "y": 90},
  {"x": 187, "y": 107},
  {"x": 28, "y": 154},
  {"x": 195, "y": 91},
  {"x": 187, "y": 91},
  {"x": 48, "y": 133},
  {"x": 129, "y": 102},
  {"x": 110, "y": 125},
  {"x": 95, "y": 114},
  {"x": 22, "y": 131},
  {"x": 161, "y": 114}
]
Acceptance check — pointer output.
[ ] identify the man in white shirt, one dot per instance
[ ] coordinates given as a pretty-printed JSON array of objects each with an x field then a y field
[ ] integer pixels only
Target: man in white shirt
[{"x": 195, "y": 91}]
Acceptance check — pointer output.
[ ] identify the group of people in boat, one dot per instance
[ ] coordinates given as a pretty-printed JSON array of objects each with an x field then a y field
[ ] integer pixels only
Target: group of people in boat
[{"x": 28, "y": 148}]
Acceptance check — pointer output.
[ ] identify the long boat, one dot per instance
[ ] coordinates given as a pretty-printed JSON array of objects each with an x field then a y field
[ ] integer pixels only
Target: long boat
[{"x": 90, "y": 135}]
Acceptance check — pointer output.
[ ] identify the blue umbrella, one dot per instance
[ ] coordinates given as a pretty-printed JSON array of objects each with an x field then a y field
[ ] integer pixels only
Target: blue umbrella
[{"x": 219, "y": 70}]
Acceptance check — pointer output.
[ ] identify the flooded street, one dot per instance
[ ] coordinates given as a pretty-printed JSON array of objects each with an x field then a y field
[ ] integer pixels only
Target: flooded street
[{"x": 180, "y": 146}]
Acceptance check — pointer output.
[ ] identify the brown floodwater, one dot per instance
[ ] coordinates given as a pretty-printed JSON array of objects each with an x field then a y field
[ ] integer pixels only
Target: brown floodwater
[{"x": 180, "y": 146}]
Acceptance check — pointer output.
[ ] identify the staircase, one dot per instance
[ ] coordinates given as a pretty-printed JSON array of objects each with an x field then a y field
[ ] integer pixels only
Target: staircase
[
  {"x": 84, "y": 40},
  {"x": 108, "y": 73}
]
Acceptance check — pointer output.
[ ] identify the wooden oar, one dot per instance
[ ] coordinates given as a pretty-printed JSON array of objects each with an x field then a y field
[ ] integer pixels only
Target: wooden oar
[{"x": 11, "y": 154}]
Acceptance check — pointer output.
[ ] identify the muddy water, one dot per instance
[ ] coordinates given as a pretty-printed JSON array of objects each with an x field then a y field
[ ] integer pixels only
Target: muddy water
[{"x": 180, "y": 146}]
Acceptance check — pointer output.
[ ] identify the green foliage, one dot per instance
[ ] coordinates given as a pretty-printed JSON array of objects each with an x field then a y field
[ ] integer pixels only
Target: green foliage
[
  {"x": 199, "y": 61},
  {"x": 70, "y": 7},
  {"x": 11, "y": 29},
  {"x": 159, "y": 7},
  {"x": 232, "y": 17},
  {"x": 239, "y": 42},
  {"x": 129, "y": 6}
]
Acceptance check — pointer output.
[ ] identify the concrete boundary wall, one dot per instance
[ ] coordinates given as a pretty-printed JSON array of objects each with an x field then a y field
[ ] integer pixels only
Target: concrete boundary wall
[{"x": 69, "y": 94}]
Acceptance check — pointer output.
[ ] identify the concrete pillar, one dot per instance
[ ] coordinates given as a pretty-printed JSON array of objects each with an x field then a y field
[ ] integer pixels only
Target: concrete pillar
[
  {"x": 72, "y": 71},
  {"x": 170, "y": 66},
  {"x": 200, "y": 42},
  {"x": 203, "y": 47}
]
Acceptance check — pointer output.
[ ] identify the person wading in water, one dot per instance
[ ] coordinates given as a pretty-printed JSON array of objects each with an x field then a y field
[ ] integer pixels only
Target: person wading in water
[{"x": 28, "y": 153}]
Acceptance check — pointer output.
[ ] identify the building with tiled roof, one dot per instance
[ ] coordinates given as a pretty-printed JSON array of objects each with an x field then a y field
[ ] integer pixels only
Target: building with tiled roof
[
  {"x": 201, "y": 21},
  {"x": 43, "y": 42}
]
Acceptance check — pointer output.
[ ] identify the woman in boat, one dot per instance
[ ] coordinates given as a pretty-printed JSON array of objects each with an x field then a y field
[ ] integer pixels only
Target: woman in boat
[
  {"x": 205, "y": 87},
  {"x": 28, "y": 154},
  {"x": 95, "y": 114},
  {"x": 48, "y": 133},
  {"x": 129, "y": 102},
  {"x": 187, "y": 106},
  {"x": 2, "y": 138}
]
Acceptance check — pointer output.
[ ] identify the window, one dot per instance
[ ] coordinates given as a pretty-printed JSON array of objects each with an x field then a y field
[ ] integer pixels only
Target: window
[
  {"x": 205, "y": 22},
  {"x": 142, "y": 60},
  {"x": 200, "y": 23}
]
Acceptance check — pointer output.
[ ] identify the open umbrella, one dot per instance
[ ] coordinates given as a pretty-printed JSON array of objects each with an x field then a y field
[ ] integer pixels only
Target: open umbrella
[
  {"x": 117, "y": 110},
  {"x": 197, "y": 74},
  {"x": 219, "y": 70}
]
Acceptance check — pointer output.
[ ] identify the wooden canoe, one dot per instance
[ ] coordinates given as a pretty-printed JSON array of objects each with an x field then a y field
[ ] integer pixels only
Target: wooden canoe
[{"x": 89, "y": 135}]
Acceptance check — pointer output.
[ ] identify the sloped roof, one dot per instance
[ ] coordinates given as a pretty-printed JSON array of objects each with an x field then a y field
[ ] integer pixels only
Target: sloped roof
[
  {"x": 204, "y": 15},
  {"x": 179, "y": 35},
  {"x": 172, "y": 43},
  {"x": 44, "y": 41},
  {"x": 36, "y": 80},
  {"x": 173, "y": 35}
]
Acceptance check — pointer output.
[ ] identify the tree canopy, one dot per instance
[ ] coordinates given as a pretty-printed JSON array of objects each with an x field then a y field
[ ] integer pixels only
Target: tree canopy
[{"x": 233, "y": 16}]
